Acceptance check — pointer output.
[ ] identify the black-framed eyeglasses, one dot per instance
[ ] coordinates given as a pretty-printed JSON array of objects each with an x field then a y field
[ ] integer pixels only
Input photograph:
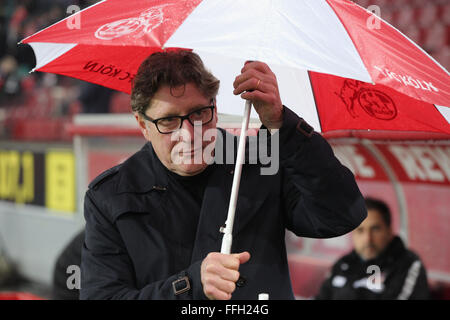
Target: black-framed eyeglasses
[{"x": 171, "y": 124}]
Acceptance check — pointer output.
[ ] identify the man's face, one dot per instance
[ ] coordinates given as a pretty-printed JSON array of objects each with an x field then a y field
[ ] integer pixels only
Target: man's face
[
  {"x": 182, "y": 151},
  {"x": 372, "y": 236}
]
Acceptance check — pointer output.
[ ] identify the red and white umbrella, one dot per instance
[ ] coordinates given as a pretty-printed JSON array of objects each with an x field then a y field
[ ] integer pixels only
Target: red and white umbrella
[
  {"x": 334, "y": 37},
  {"x": 300, "y": 40}
]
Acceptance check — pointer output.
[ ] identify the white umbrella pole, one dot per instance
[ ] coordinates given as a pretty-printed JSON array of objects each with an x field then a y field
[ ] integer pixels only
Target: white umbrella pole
[{"x": 228, "y": 230}]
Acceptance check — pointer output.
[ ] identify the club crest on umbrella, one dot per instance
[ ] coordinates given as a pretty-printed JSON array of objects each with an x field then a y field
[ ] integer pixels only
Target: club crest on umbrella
[
  {"x": 374, "y": 102},
  {"x": 135, "y": 27}
]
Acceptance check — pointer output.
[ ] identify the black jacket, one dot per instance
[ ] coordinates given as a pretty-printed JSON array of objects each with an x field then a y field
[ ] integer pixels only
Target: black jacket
[
  {"x": 145, "y": 230},
  {"x": 403, "y": 276}
]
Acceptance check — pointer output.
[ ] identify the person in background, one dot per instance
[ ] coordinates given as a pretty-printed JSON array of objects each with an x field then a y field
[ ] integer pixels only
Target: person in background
[{"x": 379, "y": 267}]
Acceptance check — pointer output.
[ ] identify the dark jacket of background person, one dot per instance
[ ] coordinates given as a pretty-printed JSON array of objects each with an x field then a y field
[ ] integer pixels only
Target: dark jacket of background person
[
  {"x": 402, "y": 272},
  {"x": 70, "y": 256},
  {"x": 142, "y": 232}
]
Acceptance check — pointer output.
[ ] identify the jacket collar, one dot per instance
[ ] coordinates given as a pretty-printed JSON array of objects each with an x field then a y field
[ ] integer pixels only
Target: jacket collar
[{"x": 392, "y": 251}]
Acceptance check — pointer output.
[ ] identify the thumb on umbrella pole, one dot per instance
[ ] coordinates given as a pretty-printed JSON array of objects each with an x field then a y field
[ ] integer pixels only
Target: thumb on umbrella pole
[{"x": 228, "y": 231}]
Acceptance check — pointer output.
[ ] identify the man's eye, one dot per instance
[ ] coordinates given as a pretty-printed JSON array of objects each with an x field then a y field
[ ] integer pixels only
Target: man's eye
[
  {"x": 199, "y": 114},
  {"x": 168, "y": 121}
]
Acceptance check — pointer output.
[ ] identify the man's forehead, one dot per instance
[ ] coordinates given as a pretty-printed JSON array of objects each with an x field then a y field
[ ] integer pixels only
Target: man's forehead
[
  {"x": 178, "y": 100},
  {"x": 164, "y": 108}
]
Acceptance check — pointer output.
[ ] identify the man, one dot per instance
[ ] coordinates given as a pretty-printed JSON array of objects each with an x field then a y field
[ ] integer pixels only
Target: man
[
  {"x": 379, "y": 267},
  {"x": 153, "y": 224}
]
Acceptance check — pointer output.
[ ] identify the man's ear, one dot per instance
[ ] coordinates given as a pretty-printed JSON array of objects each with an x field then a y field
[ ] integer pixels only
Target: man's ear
[{"x": 142, "y": 125}]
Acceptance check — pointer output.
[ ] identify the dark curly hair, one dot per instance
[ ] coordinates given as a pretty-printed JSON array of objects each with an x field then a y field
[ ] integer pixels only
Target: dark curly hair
[
  {"x": 381, "y": 207},
  {"x": 172, "y": 68}
]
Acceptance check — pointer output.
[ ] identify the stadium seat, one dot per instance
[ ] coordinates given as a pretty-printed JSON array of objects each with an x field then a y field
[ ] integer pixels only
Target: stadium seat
[
  {"x": 427, "y": 16},
  {"x": 444, "y": 13},
  {"x": 405, "y": 18},
  {"x": 436, "y": 38},
  {"x": 422, "y": 3},
  {"x": 398, "y": 5},
  {"x": 364, "y": 3}
]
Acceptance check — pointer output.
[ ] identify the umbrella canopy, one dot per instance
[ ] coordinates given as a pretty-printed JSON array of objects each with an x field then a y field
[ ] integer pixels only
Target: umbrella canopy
[{"x": 333, "y": 37}]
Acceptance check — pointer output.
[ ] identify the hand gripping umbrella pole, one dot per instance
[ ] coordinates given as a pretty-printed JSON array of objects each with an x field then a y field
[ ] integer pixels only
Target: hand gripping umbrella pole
[{"x": 228, "y": 228}]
